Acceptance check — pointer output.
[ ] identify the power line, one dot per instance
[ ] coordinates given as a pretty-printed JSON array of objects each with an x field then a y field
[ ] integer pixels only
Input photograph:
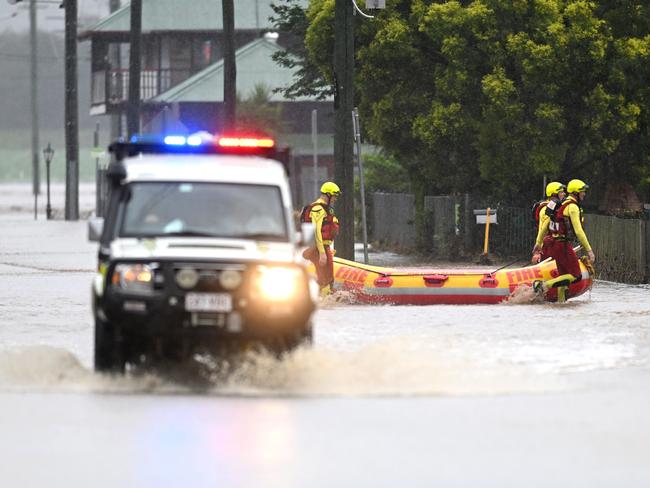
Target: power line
[
  {"x": 27, "y": 77},
  {"x": 9, "y": 17},
  {"x": 40, "y": 58},
  {"x": 26, "y": 56}
]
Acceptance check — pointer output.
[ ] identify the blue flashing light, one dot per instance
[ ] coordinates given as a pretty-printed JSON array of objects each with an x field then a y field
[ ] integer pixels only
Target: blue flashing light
[
  {"x": 176, "y": 140},
  {"x": 194, "y": 141}
]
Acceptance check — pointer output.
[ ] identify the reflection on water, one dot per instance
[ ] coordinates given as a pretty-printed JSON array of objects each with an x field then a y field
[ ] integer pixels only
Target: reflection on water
[{"x": 246, "y": 441}]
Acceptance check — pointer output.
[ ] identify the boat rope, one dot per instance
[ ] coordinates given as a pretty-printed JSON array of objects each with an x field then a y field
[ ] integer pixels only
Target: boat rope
[{"x": 352, "y": 264}]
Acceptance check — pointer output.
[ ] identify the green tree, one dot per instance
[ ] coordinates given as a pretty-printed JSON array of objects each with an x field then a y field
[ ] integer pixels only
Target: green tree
[
  {"x": 383, "y": 173},
  {"x": 258, "y": 114},
  {"x": 519, "y": 90},
  {"x": 291, "y": 19},
  {"x": 489, "y": 96}
]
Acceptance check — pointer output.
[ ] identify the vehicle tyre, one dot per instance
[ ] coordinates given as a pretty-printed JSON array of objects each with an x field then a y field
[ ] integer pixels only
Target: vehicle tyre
[
  {"x": 109, "y": 348},
  {"x": 302, "y": 337},
  {"x": 306, "y": 337}
]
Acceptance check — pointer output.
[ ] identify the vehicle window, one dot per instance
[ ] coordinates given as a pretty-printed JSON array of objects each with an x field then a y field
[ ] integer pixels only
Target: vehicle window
[{"x": 204, "y": 209}]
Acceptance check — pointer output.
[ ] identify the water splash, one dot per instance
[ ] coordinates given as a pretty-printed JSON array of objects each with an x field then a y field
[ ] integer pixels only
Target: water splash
[
  {"x": 46, "y": 368},
  {"x": 523, "y": 294},
  {"x": 395, "y": 367},
  {"x": 391, "y": 368},
  {"x": 339, "y": 297}
]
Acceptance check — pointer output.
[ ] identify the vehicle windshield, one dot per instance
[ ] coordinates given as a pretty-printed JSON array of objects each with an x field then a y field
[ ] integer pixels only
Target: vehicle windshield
[{"x": 153, "y": 209}]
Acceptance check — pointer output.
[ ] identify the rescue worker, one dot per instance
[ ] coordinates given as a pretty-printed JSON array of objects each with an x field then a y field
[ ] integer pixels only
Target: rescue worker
[
  {"x": 544, "y": 213},
  {"x": 326, "y": 227},
  {"x": 567, "y": 227}
]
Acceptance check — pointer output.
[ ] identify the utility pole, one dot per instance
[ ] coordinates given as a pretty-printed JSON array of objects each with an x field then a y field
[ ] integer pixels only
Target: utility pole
[
  {"x": 343, "y": 131},
  {"x": 135, "y": 67},
  {"x": 362, "y": 188},
  {"x": 33, "y": 41},
  {"x": 314, "y": 141},
  {"x": 71, "y": 114},
  {"x": 114, "y": 60},
  {"x": 229, "y": 66}
]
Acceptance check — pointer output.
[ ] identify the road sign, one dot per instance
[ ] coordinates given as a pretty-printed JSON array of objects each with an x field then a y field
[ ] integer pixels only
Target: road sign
[
  {"x": 481, "y": 217},
  {"x": 378, "y": 4}
]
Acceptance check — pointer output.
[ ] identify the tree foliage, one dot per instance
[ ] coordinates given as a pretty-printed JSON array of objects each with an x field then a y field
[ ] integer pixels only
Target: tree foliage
[
  {"x": 291, "y": 19},
  {"x": 383, "y": 173},
  {"x": 257, "y": 113},
  {"x": 490, "y": 96}
]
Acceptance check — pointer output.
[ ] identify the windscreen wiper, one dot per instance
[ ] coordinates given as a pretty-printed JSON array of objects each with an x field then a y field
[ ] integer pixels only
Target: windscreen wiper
[
  {"x": 188, "y": 233},
  {"x": 261, "y": 236}
]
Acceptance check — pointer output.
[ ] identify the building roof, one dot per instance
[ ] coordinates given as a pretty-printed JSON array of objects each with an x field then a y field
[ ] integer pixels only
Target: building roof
[
  {"x": 188, "y": 15},
  {"x": 255, "y": 66}
]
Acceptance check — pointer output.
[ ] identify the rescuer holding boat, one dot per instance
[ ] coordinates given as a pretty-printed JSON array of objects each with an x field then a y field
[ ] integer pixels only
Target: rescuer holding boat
[
  {"x": 567, "y": 227},
  {"x": 326, "y": 227},
  {"x": 544, "y": 213}
]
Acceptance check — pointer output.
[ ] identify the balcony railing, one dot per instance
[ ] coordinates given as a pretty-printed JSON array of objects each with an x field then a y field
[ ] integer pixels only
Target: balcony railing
[{"x": 111, "y": 87}]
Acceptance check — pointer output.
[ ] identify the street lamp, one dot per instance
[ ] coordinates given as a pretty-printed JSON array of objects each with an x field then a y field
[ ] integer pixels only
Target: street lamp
[{"x": 48, "y": 153}]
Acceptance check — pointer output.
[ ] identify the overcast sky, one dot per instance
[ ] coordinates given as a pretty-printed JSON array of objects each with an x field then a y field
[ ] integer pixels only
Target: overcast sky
[{"x": 50, "y": 16}]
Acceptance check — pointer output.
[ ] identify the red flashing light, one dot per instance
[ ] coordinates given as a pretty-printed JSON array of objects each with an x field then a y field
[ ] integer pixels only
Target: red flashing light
[{"x": 247, "y": 142}]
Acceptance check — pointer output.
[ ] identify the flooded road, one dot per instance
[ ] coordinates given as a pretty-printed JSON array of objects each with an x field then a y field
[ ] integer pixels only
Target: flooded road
[{"x": 486, "y": 395}]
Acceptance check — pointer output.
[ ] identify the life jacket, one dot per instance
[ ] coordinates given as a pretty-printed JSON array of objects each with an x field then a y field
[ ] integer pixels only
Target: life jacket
[
  {"x": 561, "y": 227},
  {"x": 549, "y": 207},
  {"x": 330, "y": 227},
  {"x": 537, "y": 210}
]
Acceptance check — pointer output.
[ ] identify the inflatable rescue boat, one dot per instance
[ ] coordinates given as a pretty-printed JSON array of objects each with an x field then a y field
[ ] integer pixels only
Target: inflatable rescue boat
[{"x": 421, "y": 286}]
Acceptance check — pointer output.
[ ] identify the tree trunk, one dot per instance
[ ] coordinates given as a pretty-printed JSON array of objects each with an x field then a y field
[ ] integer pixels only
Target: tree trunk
[
  {"x": 71, "y": 114},
  {"x": 230, "y": 67},
  {"x": 343, "y": 133},
  {"x": 135, "y": 67}
]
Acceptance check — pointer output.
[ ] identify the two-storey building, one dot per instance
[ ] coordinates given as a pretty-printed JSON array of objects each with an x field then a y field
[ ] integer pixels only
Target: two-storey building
[{"x": 182, "y": 73}]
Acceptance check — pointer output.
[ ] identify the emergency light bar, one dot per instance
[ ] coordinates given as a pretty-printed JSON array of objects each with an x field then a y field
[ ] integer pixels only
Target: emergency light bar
[
  {"x": 245, "y": 142},
  {"x": 201, "y": 143}
]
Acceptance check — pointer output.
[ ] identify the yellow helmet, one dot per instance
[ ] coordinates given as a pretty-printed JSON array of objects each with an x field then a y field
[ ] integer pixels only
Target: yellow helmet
[
  {"x": 553, "y": 188},
  {"x": 331, "y": 189},
  {"x": 576, "y": 186}
]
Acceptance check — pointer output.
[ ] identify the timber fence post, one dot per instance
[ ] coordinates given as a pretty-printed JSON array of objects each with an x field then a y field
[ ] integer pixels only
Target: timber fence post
[{"x": 641, "y": 268}]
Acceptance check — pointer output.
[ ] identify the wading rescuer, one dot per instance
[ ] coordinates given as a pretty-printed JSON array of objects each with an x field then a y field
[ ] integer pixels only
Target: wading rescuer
[
  {"x": 544, "y": 213},
  {"x": 566, "y": 228},
  {"x": 326, "y": 227}
]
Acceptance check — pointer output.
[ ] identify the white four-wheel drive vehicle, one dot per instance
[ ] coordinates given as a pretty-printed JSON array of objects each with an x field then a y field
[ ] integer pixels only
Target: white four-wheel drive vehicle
[{"x": 197, "y": 253}]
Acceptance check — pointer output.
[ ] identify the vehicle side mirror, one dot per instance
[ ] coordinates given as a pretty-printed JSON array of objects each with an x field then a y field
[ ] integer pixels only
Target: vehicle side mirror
[
  {"x": 95, "y": 228},
  {"x": 307, "y": 234}
]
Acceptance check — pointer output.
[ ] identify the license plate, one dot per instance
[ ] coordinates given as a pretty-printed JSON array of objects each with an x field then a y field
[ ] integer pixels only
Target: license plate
[{"x": 208, "y": 302}]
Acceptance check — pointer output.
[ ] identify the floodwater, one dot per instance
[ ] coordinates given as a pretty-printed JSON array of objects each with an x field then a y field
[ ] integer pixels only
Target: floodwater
[{"x": 486, "y": 395}]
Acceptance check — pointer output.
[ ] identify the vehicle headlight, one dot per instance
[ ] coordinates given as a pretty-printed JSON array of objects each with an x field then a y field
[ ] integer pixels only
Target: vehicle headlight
[
  {"x": 187, "y": 278},
  {"x": 230, "y": 279},
  {"x": 133, "y": 277},
  {"x": 276, "y": 283}
]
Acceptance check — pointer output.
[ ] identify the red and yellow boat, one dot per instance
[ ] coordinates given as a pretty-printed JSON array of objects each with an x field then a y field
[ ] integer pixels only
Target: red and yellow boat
[{"x": 421, "y": 286}]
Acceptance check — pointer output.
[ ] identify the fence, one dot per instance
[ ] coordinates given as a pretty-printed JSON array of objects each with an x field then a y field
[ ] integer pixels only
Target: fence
[
  {"x": 450, "y": 226},
  {"x": 393, "y": 220},
  {"x": 622, "y": 246},
  {"x": 443, "y": 225}
]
